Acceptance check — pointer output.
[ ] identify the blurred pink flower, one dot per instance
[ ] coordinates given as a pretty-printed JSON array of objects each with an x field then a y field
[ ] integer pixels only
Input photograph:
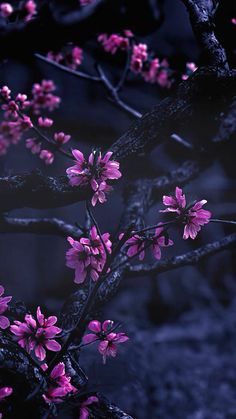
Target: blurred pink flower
[
  {"x": 47, "y": 156},
  {"x": 5, "y": 392},
  {"x": 139, "y": 56},
  {"x": 45, "y": 122},
  {"x": 111, "y": 43},
  {"x": 36, "y": 335},
  {"x": 4, "y": 322},
  {"x": 6, "y": 9},
  {"x": 61, "y": 138}
]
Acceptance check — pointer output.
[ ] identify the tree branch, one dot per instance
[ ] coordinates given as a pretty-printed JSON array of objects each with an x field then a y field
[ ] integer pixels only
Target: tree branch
[
  {"x": 50, "y": 226},
  {"x": 190, "y": 258},
  {"x": 201, "y": 13}
]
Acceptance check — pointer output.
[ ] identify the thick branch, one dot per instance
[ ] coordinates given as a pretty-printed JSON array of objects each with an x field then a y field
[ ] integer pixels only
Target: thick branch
[
  {"x": 190, "y": 258},
  {"x": 201, "y": 14},
  {"x": 50, "y": 226}
]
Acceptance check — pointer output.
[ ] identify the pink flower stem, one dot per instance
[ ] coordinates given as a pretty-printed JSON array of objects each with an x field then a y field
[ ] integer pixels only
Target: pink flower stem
[{"x": 217, "y": 220}]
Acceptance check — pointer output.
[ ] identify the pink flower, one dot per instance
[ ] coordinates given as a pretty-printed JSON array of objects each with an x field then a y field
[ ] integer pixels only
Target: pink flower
[
  {"x": 75, "y": 58},
  {"x": 88, "y": 255},
  {"x": 96, "y": 171},
  {"x": 43, "y": 97},
  {"x": 94, "y": 242},
  {"x": 158, "y": 241},
  {"x": 150, "y": 74},
  {"x": 175, "y": 204},
  {"x": 4, "y": 322},
  {"x": 105, "y": 334},
  {"x": 5, "y": 92},
  {"x": 78, "y": 258},
  {"x": 61, "y": 138},
  {"x": 47, "y": 156},
  {"x": 33, "y": 145},
  {"x": 86, "y": 2},
  {"x": 139, "y": 56},
  {"x": 233, "y": 20},
  {"x": 111, "y": 43},
  {"x": 136, "y": 245},
  {"x": 84, "y": 412},
  {"x": 190, "y": 68},
  {"x": 5, "y": 392},
  {"x": 30, "y": 9},
  {"x": 36, "y": 335},
  {"x": 45, "y": 122},
  {"x": 6, "y": 9},
  {"x": 60, "y": 385},
  {"x": 100, "y": 192},
  {"x": 195, "y": 218},
  {"x": 55, "y": 56}
]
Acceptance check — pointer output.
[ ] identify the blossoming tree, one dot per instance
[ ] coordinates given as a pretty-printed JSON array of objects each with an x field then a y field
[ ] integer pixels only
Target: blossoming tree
[{"x": 40, "y": 356}]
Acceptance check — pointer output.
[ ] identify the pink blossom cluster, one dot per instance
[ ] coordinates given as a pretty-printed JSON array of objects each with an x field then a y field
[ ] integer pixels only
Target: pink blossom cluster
[
  {"x": 6, "y": 10},
  {"x": 43, "y": 97},
  {"x": 34, "y": 335},
  {"x": 152, "y": 70},
  {"x": 192, "y": 216},
  {"x": 88, "y": 256},
  {"x": 4, "y": 322},
  {"x": 72, "y": 57},
  {"x": 138, "y": 243},
  {"x": 190, "y": 69},
  {"x": 107, "y": 337},
  {"x": 85, "y": 2},
  {"x": 27, "y": 8},
  {"x": 233, "y": 20},
  {"x": 16, "y": 123},
  {"x": 60, "y": 384},
  {"x": 4, "y": 392},
  {"x": 112, "y": 43},
  {"x": 95, "y": 171}
]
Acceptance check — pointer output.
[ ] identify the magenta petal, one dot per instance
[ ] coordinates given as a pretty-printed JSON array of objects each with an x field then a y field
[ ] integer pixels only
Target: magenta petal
[
  {"x": 4, "y": 322},
  {"x": 89, "y": 338},
  {"x": 53, "y": 345},
  {"x": 95, "y": 326}
]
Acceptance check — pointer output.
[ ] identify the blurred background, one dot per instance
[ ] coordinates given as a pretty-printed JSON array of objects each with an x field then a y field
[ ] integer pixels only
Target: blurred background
[{"x": 180, "y": 360}]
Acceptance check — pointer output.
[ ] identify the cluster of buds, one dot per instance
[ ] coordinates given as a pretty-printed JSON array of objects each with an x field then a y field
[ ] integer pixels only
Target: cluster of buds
[
  {"x": 27, "y": 10},
  {"x": 71, "y": 56},
  {"x": 189, "y": 70},
  {"x": 112, "y": 43}
]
